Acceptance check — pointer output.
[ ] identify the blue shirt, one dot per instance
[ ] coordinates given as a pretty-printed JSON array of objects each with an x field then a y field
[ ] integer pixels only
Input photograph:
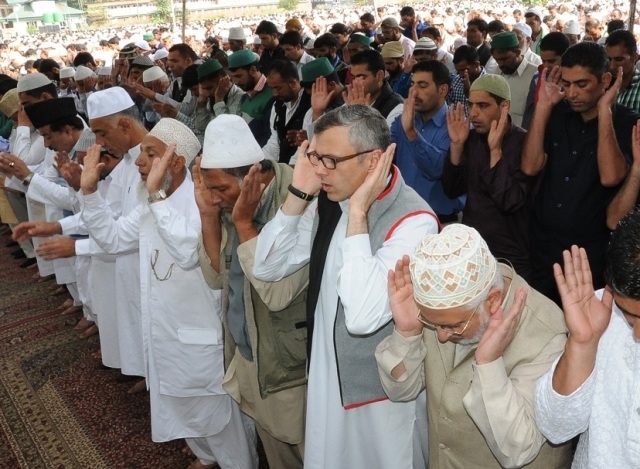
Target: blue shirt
[
  {"x": 421, "y": 162},
  {"x": 408, "y": 31}
]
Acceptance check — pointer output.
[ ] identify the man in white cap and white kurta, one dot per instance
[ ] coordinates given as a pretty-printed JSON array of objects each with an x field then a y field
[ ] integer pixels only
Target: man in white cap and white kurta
[
  {"x": 181, "y": 326},
  {"x": 238, "y": 191},
  {"x": 478, "y": 337}
]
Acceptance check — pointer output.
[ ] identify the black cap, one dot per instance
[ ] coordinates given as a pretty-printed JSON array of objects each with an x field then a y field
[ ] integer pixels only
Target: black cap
[{"x": 51, "y": 110}]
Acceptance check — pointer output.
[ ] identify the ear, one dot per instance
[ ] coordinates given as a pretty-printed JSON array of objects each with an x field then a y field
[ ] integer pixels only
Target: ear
[
  {"x": 443, "y": 90},
  {"x": 177, "y": 163},
  {"x": 506, "y": 103},
  {"x": 606, "y": 81},
  {"x": 374, "y": 160},
  {"x": 124, "y": 124},
  {"x": 495, "y": 300},
  {"x": 380, "y": 76}
]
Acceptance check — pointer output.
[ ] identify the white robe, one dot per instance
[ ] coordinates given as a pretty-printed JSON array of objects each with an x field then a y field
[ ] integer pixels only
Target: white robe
[
  {"x": 380, "y": 435},
  {"x": 181, "y": 326}
]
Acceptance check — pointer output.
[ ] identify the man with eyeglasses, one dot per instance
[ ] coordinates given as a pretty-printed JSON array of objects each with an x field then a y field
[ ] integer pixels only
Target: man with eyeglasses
[
  {"x": 472, "y": 331},
  {"x": 364, "y": 217}
]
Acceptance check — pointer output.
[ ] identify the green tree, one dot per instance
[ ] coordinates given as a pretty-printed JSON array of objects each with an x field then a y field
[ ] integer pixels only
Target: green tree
[
  {"x": 289, "y": 5},
  {"x": 163, "y": 11}
]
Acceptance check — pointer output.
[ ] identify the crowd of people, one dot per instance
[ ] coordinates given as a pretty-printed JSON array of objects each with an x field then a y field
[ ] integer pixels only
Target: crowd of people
[{"x": 390, "y": 238}]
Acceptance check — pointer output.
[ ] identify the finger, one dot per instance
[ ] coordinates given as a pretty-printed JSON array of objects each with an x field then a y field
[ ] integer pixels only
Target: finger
[
  {"x": 399, "y": 277},
  {"x": 577, "y": 265},
  {"x": 569, "y": 271},
  {"x": 587, "y": 277}
]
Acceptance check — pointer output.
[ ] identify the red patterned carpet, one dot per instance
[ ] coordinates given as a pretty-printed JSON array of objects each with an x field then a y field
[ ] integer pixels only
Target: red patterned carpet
[{"x": 58, "y": 408}]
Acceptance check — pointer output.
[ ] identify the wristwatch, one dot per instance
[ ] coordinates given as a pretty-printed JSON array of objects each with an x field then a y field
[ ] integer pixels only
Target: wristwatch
[
  {"x": 160, "y": 195},
  {"x": 26, "y": 181}
]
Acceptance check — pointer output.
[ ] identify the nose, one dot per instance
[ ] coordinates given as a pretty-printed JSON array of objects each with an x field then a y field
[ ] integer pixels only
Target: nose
[
  {"x": 320, "y": 170},
  {"x": 443, "y": 336}
]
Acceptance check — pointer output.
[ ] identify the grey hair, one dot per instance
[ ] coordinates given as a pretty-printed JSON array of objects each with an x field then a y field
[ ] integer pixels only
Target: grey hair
[
  {"x": 368, "y": 130},
  {"x": 131, "y": 113},
  {"x": 498, "y": 282}
]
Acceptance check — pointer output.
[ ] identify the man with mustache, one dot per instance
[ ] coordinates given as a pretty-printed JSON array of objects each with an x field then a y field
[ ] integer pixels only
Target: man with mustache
[{"x": 581, "y": 139}]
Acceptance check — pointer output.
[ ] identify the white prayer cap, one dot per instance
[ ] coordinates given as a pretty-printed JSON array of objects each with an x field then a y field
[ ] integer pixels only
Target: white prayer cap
[
  {"x": 170, "y": 131},
  {"x": 83, "y": 72},
  {"x": 32, "y": 81},
  {"x": 87, "y": 139},
  {"x": 104, "y": 71},
  {"x": 67, "y": 72},
  {"x": 256, "y": 40},
  {"x": 451, "y": 269},
  {"x": 572, "y": 27},
  {"x": 237, "y": 34},
  {"x": 524, "y": 28},
  {"x": 152, "y": 74},
  {"x": 143, "y": 45},
  {"x": 229, "y": 143},
  {"x": 108, "y": 102},
  {"x": 160, "y": 54}
]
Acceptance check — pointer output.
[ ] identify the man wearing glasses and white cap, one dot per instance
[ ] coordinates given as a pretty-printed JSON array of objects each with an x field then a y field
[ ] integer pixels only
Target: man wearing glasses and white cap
[{"x": 473, "y": 332}]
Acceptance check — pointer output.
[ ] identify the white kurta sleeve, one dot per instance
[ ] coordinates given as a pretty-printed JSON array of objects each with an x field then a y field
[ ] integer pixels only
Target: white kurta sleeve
[
  {"x": 271, "y": 149},
  {"x": 284, "y": 245},
  {"x": 73, "y": 225},
  {"x": 45, "y": 191},
  {"x": 502, "y": 406},
  {"x": 113, "y": 236},
  {"x": 362, "y": 281},
  {"x": 411, "y": 351},
  {"x": 560, "y": 418},
  {"x": 23, "y": 148}
]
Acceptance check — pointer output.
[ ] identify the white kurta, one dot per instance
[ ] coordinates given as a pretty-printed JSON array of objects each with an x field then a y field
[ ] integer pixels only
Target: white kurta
[
  {"x": 605, "y": 410},
  {"x": 379, "y": 435},
  {"x": 124, "y": 188},
  {"x": 181, "y": 326}
]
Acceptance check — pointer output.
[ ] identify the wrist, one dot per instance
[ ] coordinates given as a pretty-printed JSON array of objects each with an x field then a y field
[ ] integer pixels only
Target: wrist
[
  {"x": 301, "y": 194},
  {"x": 408, "y": 332},
  {"x": 411, "y": 134}
]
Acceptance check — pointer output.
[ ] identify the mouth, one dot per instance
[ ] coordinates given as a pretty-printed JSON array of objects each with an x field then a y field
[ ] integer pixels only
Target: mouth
[
  {"x": 326, "y": 187},
  {"x": 143, "y": 176}
]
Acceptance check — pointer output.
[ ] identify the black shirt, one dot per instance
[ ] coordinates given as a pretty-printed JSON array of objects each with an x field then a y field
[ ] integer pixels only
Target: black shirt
[{"x": 570, "y": 205}]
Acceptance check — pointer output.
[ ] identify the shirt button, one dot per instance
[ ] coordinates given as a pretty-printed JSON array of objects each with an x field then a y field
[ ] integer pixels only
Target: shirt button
[
  {"x": 559, "y": 205},
  {"x": 555, "y": 144},
  {"x": 566, "y": 178},
  {"x": 442, "y": 446},
  {"x": 574, "y": 152}
]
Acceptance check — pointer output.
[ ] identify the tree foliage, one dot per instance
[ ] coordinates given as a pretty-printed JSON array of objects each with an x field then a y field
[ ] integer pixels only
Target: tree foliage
[
  {"x": 163, "y": 11},
  {"x": 288, "y": 5}
]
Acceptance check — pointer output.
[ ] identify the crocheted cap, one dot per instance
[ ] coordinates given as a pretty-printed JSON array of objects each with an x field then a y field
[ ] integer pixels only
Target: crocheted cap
[{"x": 452, "y": 268}]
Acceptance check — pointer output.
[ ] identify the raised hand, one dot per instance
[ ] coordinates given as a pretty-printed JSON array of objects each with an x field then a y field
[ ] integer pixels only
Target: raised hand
[
  {"x": 207, "y": 203},
  {"x": 550, "y": 91},
  {"x": 70, "y": 170},
  {"x": 609, "y": 97},
  {"x": 356, "y": 94},
  {"x": 250, "y": 193},
  {"x": 304, "y": 175},
  {"x": 408, "y": 118},
  {"x": 159, "y": 166},
  {"x": 91, "y": 171},
  {"x": 11, "y": 164},
  {"x": 374, "y": 183},
  {"x": 165, "y": 110},
  {"x": 457, "y": 124},
  {"x": 23, "y": 119},
  {"x": 408, "y": 64},
  {"x": 586, "y": 316},
  {"x": 320, "y": 97},
  {"x": 224, "y": 85},
  {"x": 498, "y": 130},
  {"x": 635, "y": 144},
  {"x": 403, "y": 306},
  {"x": 501, "y": 330}
]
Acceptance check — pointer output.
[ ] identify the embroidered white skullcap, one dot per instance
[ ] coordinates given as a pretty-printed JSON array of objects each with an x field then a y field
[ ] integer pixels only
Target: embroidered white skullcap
[
  {"x": 108, "y": 102},
  {"x": 87, "y": 139},
  {"x": 572, "y": 27},
  {"x": 524, "y": 28},
  {"x": 104, "y": 71},
  {"x": 152, "y": 74},
  {"x": 237, "y": 34},
  {"x": 67, "y": 72},
  {"x": 32, "y": 81},
  {"x": 160, "y": 54},
  {"x": 229, "y": 143},
  {"x": 170, "y": 131},
  {"x": 451, "y": 269},
  {"x": 83, "y": 72}
]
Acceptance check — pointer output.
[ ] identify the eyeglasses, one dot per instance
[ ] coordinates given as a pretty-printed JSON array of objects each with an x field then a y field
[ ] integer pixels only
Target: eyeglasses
[
  {"x": 447, "y": 329},
  {"x": 330, "y": 162}
]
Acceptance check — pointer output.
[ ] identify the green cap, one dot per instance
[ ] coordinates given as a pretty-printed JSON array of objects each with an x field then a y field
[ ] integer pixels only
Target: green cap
[
  {"x": 360, "y": 39},
  {"x": 208, "y": 68},
  {"x": 320, "y": 67},
  {"x": 147, "y": 37},
  {"x": 494, "y": 84},
  {"x": 506, "y": 40},
  {"x": 241, "y": 58}
]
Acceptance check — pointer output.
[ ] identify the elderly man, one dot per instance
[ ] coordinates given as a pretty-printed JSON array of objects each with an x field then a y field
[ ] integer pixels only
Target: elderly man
[
  {"x": 183, "y": 352},
  {"x": 484, "y": 164},
  {"x": 264, "y": 322},
  {"x": 365, "y": 215},
  {"x": 592, "y": 389},
  {"x": 487, "y": 340}
]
